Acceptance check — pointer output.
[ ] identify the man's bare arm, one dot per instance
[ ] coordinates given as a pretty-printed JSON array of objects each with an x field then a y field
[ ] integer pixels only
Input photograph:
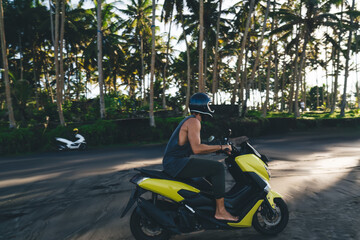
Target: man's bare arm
[{"x": 194, "y": 128}]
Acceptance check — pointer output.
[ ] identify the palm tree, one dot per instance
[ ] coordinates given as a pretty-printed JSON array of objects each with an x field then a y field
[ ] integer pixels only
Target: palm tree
[
  {"x": 188, "y": 69},
  {"x": 271, "y": 48},
  {"x": 138, "y": 24},
  {"x": 61, "y": 49},
  {"x": 166, "y": 64},
  {"x": 100, "y": 59},
  {"x": 167, "y": 15},
  {"x": 168, "y": 9},
  {"x": 214, "y": 83},
  {"x": 6, "y": 69},
  {"x": 201, "y": 51},
  {"x": 347, "y": 56},
  {"x": 151, "y": 112},
  {"x": 254, "y": 69},
  {"x": 317, "y": 14},
  {"x": 241, "y": 54},
  {"x": 58, "y": 79}
]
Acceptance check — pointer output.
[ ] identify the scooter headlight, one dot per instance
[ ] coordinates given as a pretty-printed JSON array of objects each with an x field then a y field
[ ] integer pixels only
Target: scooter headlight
[
  {"x": 267, "y": 188},
  {"x": 268, "y": 171}
]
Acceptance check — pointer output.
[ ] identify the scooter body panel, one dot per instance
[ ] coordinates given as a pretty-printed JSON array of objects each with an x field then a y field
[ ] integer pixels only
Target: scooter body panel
[
  {"x": 63, "y": 140},
  {"x": 251, "y": 163},
  {"x": 167, "y": 188},
  {"x": 247, "y": 220}
]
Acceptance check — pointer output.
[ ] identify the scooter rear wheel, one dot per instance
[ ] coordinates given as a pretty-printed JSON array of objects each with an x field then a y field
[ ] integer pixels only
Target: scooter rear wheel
[
  {"x": 267, "y": 225},
  {"x": 143, "y": 228}
]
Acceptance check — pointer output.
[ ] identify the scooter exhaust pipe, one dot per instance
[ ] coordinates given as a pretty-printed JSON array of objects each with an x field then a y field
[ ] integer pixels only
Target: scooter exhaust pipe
[{"x": 157, "y": 215}]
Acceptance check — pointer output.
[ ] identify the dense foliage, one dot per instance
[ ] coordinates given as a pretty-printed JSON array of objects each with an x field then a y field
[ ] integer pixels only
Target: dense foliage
[{"x": 266, "y": 70}]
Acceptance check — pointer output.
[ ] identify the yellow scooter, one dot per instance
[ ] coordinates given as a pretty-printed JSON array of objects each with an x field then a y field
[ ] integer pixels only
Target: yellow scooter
[{"x": 186, "y": 205}]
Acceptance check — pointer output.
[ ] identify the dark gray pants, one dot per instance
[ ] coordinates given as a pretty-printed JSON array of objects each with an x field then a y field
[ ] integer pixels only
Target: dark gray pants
[{"x": 206, "y": 168}]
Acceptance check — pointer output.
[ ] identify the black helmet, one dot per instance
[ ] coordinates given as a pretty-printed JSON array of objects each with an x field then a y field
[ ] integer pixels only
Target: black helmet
[{"x": 199, "y": 103}]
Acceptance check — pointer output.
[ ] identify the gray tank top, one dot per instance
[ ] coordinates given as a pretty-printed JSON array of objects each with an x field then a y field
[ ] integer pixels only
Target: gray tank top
[{"x": 176, "y": 157}]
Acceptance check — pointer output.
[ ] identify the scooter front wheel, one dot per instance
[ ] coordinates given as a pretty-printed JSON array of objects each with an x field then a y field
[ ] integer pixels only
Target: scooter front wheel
[
  {"x": 82, "y": 147},
  {"x": 144, "y": 228},
  {"x": 266, "y": 224}
]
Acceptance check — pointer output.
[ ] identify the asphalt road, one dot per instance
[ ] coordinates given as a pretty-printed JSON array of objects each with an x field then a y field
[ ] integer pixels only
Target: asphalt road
[{"x": 80, "y": 195}]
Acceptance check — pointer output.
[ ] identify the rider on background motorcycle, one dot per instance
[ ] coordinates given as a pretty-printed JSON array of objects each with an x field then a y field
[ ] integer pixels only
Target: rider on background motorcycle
[
  {"x": 79, "y": 137},
  {"x": 186, "y": 141}
]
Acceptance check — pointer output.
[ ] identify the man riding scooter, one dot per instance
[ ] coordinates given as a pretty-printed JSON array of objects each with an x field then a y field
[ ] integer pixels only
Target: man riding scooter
[
  {"x": 182, "y": 198},
  {"x": 186, "y": 141}
]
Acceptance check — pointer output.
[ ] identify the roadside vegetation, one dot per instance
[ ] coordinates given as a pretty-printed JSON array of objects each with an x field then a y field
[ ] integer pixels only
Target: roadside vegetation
[{"x": 130, "y": 131}]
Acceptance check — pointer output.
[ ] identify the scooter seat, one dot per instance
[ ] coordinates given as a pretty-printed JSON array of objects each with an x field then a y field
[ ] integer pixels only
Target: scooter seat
[{"x": 154, "y": 173}]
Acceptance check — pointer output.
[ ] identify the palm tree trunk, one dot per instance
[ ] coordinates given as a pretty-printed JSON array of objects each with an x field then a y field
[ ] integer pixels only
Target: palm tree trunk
[
  {"x": 276, "y": 60},
  {"x": 299, "y": 73},
  {"x": 326, "y": 79},
  {"x": 266, "y": 103},
  {"x": 282, "y": 90},
  {"x": 53, "y": 42},
  {"x": 241, "y": 54},
  {"x": 251, "y": 80},
  {"x": 49, "y": 88},
  {"x": 205, "y": 59},
  {"x": 201, "y": 52},
  {"x": 166, "y": 63},
  {"x": 57, "y": 74},
  {"x": 142, "y": 68},
  {"x": 36, "y": 77},
  {"x": 100, "y": 69},
  {"x": 333, "y": 106},
  {"x": 188, "y": 67},
  {"x": 61, "y": 48},
  {"x": 151, "y": 112},
  {"x": 317, "y": 94},
  {"x": 343, "y": 103},
  {"x": 356, "y": 72},
  {"x": 51, "y": 23},
  {"x": 243, "y": 82},
  {"x": 336, "y": 72},
  {"x": 214, "y": 83},
  {"x": 4, "y": 51},
  {"x": 276, "y": 80}
]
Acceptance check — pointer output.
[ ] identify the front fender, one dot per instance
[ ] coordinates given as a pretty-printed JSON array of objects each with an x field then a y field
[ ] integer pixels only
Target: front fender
[{"x": 271, "y": 196}]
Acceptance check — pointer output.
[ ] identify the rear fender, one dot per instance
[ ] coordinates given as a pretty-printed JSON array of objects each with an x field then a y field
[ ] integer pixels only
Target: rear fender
[{"x": 136, "y": 193}]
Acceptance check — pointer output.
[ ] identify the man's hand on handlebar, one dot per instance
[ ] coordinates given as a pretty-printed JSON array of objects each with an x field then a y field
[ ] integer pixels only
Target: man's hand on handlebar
[{"x": 226, "y": 149}]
